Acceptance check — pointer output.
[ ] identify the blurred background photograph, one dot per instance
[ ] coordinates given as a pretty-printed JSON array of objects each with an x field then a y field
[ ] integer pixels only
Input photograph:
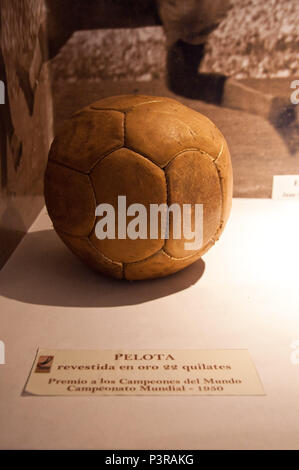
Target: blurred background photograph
[{"x": 236, "y": 61}]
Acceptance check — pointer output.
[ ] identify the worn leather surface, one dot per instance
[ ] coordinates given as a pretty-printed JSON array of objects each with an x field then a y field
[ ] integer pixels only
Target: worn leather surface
[
  {"x": 152, "y": 150},
  {"x": 70, "y": 200},
  {"x": 192, "y": 179},
  {"x": 124, "y": 172},
  {"x": 95, "y": 134}
]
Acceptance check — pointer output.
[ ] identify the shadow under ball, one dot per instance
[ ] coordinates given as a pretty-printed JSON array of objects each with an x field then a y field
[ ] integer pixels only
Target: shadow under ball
[{"x": 153, "y": 150}]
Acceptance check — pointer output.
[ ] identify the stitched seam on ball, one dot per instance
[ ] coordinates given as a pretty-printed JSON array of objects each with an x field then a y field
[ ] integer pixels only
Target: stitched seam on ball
[
  {"x": 94, "y": 200},
  {"x": 139, "y": 155},
  {"x": 106, "y": 109},
  {"x": 125, "y": 129},
  {"x": 219, "y": 154},
  {"x": 122, "y": 263},
  {"x": 95, "y": 204},
  {"x": 125, "y": 110},
  {"x": 220, "y": 181},
  {"x": 102, "y": 157},
  {"x": 177, "y": 259},
  {"x": 144, "y": 259},
  {"x": 65, "y": 232},
  {"x": 146, "y": 102},
  {"x": 167, "y": 201},
  {"x": 192, "y": 149},
  {"x": 162, "y": 250},
  {"x": 222, "y": 202},
  {"x": 142, "y": 154},
  {"x": 221, "y": 222},
  {"x": 68, "y": 167},
  {"x": 118, "y": 263},
  {"x": 222, "y": 191},
  {"x": 191, "y": 256}
]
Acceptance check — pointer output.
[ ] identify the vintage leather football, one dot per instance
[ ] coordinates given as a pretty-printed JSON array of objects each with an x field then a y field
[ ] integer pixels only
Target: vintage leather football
[{"x": 150, "y": 151}]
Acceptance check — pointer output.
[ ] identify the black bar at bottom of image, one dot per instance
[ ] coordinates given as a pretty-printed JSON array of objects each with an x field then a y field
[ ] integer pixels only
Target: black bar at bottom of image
[{"x": 140, "y": 459}]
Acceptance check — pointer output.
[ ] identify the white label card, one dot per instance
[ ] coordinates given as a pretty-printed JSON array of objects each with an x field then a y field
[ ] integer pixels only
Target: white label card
[
  {"x": 144, "y": 372},
  {"x": 285, "y": 187}
]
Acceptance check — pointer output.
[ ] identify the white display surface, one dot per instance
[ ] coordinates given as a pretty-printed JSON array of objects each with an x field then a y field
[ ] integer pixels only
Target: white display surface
[{"x": 247, "y": 297}]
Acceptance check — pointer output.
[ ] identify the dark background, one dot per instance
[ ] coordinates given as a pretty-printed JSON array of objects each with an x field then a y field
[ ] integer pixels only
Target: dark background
[{"x": 257, "y": 43}]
